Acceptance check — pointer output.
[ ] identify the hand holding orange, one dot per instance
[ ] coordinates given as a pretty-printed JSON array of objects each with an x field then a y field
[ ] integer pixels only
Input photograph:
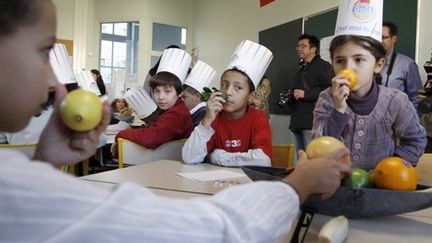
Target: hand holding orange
[
  {"x": 394, "y": 173},
  {"x": 81, "y": 110},
  {"x": 324, "y": 145},
  {"x": 351, "y": 76}
]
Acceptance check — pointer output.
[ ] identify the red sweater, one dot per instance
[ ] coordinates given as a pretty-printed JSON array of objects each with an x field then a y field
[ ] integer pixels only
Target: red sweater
[
  {"x": 175, "y": 123},
  {"x": 252, "y": 131}
]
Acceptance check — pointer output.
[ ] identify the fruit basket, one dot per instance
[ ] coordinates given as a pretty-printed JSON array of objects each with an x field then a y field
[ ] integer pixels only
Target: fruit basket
[{"x": 353, "y": 203}]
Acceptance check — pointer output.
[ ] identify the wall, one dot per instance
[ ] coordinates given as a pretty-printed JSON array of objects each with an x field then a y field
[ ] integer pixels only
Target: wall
[{"x": 65, "y": 18}]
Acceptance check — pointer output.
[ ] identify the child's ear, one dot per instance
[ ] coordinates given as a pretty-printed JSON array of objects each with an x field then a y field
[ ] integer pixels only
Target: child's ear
[{"x": 379, "y": 65}]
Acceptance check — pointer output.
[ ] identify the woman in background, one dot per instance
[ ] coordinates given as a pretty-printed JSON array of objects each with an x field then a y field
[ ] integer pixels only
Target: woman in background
[{"x": 99, "y": 81}]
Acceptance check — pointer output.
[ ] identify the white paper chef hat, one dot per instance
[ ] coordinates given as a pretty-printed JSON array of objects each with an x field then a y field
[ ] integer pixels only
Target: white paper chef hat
[
  {"x": 360, "y": 17},
  {"x": 252, "y": 59},
  {"x": 200, "y": 76},
  {"x": 61, "y": 64},
  {"x": 139, "y": 100},
  {"x": 175, "y": 61}
]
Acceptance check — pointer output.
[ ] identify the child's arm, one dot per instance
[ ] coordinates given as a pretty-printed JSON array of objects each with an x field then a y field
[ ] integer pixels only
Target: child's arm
[
  {"x": 251, "y": 157},
  {"x": 412, "y": 135},
  {"x": 195, "y": 149}
]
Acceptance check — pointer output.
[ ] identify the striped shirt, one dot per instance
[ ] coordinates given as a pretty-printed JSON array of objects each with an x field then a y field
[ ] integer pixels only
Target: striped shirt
[{"x": 40, "y": 204}]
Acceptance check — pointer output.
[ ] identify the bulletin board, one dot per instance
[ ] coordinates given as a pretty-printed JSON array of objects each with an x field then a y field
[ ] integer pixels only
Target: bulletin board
[
  {"x": 282, "y": 41},
  {"x": 68, "y": 44}
]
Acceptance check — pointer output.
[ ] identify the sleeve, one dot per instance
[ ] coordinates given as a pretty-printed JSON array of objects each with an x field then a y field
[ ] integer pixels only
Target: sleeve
[
  {"x": 411, "y": 135},
  {"x": 327, "y": 120},
  {"x": 169, "y": 126},
  {"x": 195, "y": 149},
  {"x": 259, "y": 154},
  {"x": 251, "y": 157},
  {"x": 253, "y": 212},
  {"x": 322, "y": 82},
  {"x": 414, "y": 83}
]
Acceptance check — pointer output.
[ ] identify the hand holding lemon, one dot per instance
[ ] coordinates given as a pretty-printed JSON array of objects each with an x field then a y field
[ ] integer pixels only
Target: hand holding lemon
[{"x": 325, "y": 145}]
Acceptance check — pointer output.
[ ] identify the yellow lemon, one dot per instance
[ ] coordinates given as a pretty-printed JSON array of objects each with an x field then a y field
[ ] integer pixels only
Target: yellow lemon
[{"x": 81, "y": 110}]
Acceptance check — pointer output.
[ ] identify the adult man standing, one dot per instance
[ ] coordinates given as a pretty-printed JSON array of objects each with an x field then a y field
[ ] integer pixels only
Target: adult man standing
[
  {"x": 314, "y": 76},
  {"x": 400, "y": 71}
]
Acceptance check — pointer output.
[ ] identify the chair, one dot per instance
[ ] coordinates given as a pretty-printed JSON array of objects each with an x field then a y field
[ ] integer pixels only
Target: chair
[
  {"x": 131, "y": 153},
  {"x": 282, "y": 155},
  {"x": 424, "y": 169}
]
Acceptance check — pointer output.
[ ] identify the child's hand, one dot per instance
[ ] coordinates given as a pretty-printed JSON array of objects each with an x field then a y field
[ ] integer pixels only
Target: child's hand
[
  {"x": 59, "y": 145},
  {"x": 214, "y": 106},
  {"x": 340, "y": 92}
]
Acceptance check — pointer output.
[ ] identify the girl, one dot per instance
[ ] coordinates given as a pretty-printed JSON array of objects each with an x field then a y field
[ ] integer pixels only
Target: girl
[{"x": 375, "y": 122}]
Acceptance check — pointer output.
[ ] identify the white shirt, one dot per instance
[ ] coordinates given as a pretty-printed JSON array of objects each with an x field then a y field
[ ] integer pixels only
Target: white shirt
[{"x": 39, "y": 203}]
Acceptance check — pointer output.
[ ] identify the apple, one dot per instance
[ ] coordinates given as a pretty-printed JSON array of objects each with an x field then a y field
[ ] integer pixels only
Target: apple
[
  {"x": 81, "y": 110},
  {"x": 323, "y": 146},
  {"x": 351, "y": 76}
]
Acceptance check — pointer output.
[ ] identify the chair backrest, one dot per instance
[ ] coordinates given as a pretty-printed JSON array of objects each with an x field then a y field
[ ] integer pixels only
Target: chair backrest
[
  {"x": 282, "y": 155},
  {"x": 27, "y": 149},
  {"x": 424, "y": 169},
  {"x": 132, "y": 153}
]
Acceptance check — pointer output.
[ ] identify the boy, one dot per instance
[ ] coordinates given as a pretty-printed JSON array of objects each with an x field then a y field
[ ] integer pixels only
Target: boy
[
  {"x": 230, "y": 133},
  {"x": 174, "y": 121},
  {"x": 200, "y": 77}
]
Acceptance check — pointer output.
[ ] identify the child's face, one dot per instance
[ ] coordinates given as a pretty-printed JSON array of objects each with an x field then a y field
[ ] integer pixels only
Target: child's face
[
  {"x": 120, "y": 103},
  {"x": 190, "y": 100},
  {"x": 355, "y": 57},
  {"x": 25, "y": 69},
  {"x": 236, "y": 85},
  {"x": 165, "y": 96}
]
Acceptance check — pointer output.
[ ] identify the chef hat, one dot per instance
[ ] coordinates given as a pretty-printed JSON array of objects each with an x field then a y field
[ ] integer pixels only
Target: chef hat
[
  {"x": 140, "y": 101},
  {"x": 175, "y": 61},
  {"x": 252, "y": 59},
  {"x": 360, "y": 17},
  {"x": 200, "y": 76}
]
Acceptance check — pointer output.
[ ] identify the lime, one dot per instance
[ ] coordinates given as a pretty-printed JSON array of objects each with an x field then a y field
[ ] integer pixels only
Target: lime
[{"x": 358, "y": 178}]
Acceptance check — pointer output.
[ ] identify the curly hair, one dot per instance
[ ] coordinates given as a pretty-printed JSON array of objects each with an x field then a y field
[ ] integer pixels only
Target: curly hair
[{"x": 15, "y": 13}]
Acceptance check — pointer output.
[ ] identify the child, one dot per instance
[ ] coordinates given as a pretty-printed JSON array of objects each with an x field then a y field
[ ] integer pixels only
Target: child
[
  {"x": 232, "y": 134},
  {"x": 174, "y": 121},
  {"x": 200, "y": 77},
  {"x": 39, "y": 203},
  {"x": 373, "y": 121}
]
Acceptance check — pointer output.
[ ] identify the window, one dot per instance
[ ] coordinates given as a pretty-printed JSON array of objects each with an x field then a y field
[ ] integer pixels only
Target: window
[
  {"x": 119, "y": 51},
  {"x": 165, "y": 35}
]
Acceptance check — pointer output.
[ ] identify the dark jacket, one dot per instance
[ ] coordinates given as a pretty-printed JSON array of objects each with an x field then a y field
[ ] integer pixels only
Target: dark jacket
[
  {"x": 198, "y": 115},
  {"x": 313, "y": 78}
]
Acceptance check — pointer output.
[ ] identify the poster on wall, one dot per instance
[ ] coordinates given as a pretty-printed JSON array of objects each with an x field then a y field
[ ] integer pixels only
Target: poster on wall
[{"x": 265, "y": 2}]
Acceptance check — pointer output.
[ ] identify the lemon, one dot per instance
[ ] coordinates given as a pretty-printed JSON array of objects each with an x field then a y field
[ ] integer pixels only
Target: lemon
[{"x": 81, "y": 110}]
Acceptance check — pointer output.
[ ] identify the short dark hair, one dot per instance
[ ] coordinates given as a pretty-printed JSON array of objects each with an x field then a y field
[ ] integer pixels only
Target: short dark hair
[
  {"x": 251, "y": 84},
  {"x": 191, "y": 90},
  {"x": 393, "y": 29},
  {"x": 313, "y": 40},
  {"x": 166, "y": 79},
  {"x": 16, "y": 13}
]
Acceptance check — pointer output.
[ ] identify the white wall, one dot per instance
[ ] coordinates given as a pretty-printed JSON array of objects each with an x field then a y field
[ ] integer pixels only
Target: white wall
[{"x": 65, "y": 18}]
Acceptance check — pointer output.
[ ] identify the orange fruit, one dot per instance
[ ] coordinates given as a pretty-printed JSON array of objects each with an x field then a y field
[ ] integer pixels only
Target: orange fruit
[
  {"x": 351, "y": 76},
  {"x": 394, "y": 173},
  {"x": 325, "y": 145}
]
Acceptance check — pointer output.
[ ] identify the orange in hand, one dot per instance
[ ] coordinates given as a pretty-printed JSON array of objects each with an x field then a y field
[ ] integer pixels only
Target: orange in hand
[
  {"x": 393, "y": 173},
  {"x": 325, "y": 145},
  {"x": 351, "y": 76}
]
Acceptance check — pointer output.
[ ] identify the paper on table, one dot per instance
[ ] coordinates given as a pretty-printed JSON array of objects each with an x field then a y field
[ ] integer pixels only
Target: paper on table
[{"x": 212, "y": 175}]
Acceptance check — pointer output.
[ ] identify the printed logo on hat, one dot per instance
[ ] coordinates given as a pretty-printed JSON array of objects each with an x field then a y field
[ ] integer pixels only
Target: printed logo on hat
[{"x": 363, "y": 11}]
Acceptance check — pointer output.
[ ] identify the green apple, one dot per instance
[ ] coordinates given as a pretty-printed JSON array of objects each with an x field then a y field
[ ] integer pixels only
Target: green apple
[{"x": 358, "y": 178}]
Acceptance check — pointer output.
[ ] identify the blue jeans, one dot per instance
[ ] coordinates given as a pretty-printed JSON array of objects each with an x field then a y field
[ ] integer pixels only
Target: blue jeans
[{"x": 303, "y": 138}]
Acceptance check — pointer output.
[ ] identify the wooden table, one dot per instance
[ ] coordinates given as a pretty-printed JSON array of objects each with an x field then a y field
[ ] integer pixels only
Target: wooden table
[{"x": 160, "y": 177}]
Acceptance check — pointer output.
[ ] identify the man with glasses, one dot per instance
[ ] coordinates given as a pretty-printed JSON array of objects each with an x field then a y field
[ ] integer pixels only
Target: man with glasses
[
  {"x": 314, "y": 76},
  {"x": 400, "y": 71}
]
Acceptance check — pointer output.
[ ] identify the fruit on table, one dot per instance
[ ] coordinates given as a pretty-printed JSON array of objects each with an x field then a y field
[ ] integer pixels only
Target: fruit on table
[
  {"x": 358, "y": 178},
  {"x": 205, "y": 95},
  {"x": 81, "y": 110},
  {"x": 324, "y": 145},
  {"x": 334, "y": 231},
  {"x": 351, "y": 76},
  {"x": 394, "y": 173}
]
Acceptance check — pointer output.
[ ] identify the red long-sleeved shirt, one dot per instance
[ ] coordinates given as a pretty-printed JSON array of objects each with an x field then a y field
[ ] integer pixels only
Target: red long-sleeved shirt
[{"x": 175, "y": 123}]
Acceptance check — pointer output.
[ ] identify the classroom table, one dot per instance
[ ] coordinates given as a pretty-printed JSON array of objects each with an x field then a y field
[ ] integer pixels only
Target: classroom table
[{"x": 160, "y": 177}]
